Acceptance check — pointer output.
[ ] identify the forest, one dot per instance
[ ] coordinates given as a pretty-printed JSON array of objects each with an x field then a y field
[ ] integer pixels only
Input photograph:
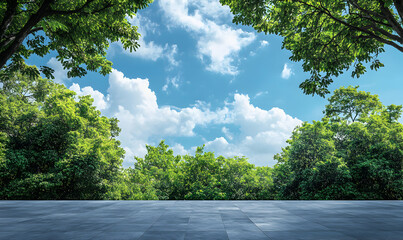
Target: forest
[{"x": 56, "y": 145}]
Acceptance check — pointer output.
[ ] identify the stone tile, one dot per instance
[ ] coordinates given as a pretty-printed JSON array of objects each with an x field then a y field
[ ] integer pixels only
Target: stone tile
[
  {"x": 307, "y": 235},
  {"x": 249, "y": 227},
  {"x": 204, "y": 235},
  {"x": 127, "y": 227},
  {"x": 118, "y": 236},
  {"x": 206, "y": 227},
  {"x": 163, "y": 235},
  {"x": 281, "y": 226},
  {"x": 375, "y": 235},
  {"x": 201, "y": 219},
  {"x": 250, "y": 235},
  {"x": 168, "y": 227}
]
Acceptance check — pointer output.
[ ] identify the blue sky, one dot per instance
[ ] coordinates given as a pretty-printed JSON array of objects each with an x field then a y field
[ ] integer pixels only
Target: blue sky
[{"x": 199, "y": 79}]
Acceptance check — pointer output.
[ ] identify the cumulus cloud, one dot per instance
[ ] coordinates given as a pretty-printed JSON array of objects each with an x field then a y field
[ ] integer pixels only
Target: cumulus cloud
[
  {"x": 141, "y": 118},
  {"x": 143, "y": 121},
  {"x": 262, "y": 132},
  {"x": 99, "y": 98},
  {"x": 149, "y": 49},
  {"x": 217, "y": 42},
  {"x": 60, "y": 73},
  {"x": 287, "y": 72},
  {"x": 179, "y": 149}
]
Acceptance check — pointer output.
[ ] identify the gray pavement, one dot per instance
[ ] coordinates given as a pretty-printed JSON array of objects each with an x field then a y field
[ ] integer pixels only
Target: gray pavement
[{"x": 210, "y": 220}]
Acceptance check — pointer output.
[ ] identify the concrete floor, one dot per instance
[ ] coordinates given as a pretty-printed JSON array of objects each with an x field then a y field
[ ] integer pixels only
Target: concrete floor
[{"x": 246, "y": 220}]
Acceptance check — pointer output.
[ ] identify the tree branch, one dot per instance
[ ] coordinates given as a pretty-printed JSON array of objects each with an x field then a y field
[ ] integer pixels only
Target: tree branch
[
  {"x": 387, "y": 34},
  {"x": 370, "y": 18},
  {"x": 360, "y": 29},
  {"x": 10, "y": 38},
  {"x": 399, "y": 8},
  {"x": 391, "y": 19},
  {"x": 355, "y": 4},
  {"x": 8, "y": 17},
  {"x": 25, "y": 30}
]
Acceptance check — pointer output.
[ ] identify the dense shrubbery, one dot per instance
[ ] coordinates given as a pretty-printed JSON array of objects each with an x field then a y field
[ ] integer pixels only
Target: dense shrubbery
[{"x": 54, "y": 145}]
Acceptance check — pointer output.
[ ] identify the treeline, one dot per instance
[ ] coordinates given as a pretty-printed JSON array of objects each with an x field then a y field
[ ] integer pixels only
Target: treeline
[
  {"x": 162, "y": 175},
  {"x": 355, "y": 152},
  {"x": 55, "y": 145}
]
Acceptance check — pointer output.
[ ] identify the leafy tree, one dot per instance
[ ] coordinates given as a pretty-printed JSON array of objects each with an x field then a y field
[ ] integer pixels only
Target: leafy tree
[
  {"x": 53, "y": 146},
  {"x": 241, "y": 180},
  {"x": 315, "y": 171},
  {"x": 329, "y": 36},
  {"x": 352, "y": 105},
  {"x": 78, "y": 30},
  {"x": 136, "y": 186},
  {"x": 201, "y": 180},
  {"x": 161, "y": 175},
  {"x": 345, "y": 159},
  {"x": 160, "y": 166}
]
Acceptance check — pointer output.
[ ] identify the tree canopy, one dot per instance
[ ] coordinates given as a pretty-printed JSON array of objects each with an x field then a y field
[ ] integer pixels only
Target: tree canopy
[
  {"x": 343, "y": 159},
  {"x": 329, "y": 36},
  {"x": 162, "y": 175},
  {"x": 53, "y": 145},
  {"x": 79, "y": 31}
]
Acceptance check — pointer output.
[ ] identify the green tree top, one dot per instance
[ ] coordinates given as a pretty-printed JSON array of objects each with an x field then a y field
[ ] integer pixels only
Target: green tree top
[
  {"x": 78, "y": 30},
  {"x": 329, "y": 36},
  {"x": 351, "y": 104}
]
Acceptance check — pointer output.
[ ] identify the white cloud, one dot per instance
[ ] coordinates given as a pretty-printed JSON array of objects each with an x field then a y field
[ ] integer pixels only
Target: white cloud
[
  {"x": 149, "y": 49},
  {"x": 261, "y": 93},
  {"x": 60, "y": 74},
  {"x": 170, "y": 54},
  {"x": 179, "y": 149},
  {"x": 99, "y": 98},
  {"x": 287, "y": 72},
  {"x": 173, "y": 81},
  {"x": 262, "y": 133},
  {"x": 218, "y": 42},
  {"x": 264, "y": 43},
  {"x": 142, "y": 119},
  {"x": 212, "y": 9},
  {"x": 227, "y": 133}
]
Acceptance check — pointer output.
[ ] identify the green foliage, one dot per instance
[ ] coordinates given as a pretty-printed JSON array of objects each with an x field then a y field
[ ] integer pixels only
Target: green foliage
[
  {"x": 352, "y": 105},
  {"x": 345, "y": 159},
  {"x": 159, "y": 165},
  {"x": 53, "y": 146},
  {"x": 202, "y": 177},
  {"x": 329, "y": 36},
  {"x": 80, "y": 31}
]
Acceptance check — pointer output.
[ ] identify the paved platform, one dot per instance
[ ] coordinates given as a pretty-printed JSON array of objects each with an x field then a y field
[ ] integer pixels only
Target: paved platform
[{"x": 210, "y": 220}]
